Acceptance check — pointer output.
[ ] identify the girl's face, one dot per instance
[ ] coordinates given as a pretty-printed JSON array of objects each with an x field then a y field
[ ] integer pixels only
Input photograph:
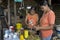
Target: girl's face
[{"x": 32, "y": 12}]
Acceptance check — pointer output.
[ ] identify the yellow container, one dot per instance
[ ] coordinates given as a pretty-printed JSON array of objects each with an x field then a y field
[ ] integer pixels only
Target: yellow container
[
  {"x": 18, "y": 26},
  {"x": 21, "y": 37},
  {"x": 26, "y": 33}
]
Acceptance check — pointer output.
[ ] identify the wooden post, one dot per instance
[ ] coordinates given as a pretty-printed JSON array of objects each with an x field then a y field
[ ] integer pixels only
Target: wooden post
[
  {"x": 15, "y": 12},
  {"x": 49, "y": 1},
  {"x": 26, "y": 11},
  {"x": 8, "y": 12}
]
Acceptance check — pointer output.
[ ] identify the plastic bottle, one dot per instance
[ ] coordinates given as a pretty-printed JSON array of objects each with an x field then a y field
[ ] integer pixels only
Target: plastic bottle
[
  {"x": 11, "y": 28},
  {"x": 6, "y": 35},
  {"x": 11, "y": 36},
  {"x": 15, "y": 37}
]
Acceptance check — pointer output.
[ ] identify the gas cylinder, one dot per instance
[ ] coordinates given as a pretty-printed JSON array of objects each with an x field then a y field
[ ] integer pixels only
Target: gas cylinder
[
  {"x": 26, "y": 33},
  {"x": 21, "y": 37},
  {"x": 18, "y": 26}
]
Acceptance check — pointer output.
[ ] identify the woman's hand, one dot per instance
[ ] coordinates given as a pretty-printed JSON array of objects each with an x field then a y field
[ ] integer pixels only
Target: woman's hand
[{"x": 37, "y": 27}]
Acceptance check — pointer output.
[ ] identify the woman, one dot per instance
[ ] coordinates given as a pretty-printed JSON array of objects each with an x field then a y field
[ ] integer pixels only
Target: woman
[
  {"x": 47, "y": 21},
  {"x": 31, "y": 18}
]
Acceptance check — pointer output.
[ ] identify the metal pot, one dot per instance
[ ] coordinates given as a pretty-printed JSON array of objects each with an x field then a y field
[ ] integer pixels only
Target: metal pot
[
  {"x": 58, "y": 30},
  {"x": 58, "y": 27}
]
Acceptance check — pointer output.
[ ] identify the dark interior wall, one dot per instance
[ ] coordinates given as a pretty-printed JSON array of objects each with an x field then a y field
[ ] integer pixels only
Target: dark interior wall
[
  {"x": 56, "y": 8},
  {"x": 55, "y": 1}
]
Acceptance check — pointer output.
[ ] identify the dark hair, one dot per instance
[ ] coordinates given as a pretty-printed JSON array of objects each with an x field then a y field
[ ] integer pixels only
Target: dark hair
[
  {"x": 43, "y": 3},
  {"x": 32, "y": 8}
]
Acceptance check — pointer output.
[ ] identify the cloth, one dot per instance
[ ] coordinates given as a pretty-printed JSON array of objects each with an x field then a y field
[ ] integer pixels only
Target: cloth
[
  {"x": 46, "y": 20},
  {"x": 47, "y": 38},
  {"x": 32, "y": 19}
]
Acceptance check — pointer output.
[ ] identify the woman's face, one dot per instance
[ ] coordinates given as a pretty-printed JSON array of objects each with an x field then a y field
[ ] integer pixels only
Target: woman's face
[
  {"x": 32, "y": 12},
  {"x": 43, "y": 8}
]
